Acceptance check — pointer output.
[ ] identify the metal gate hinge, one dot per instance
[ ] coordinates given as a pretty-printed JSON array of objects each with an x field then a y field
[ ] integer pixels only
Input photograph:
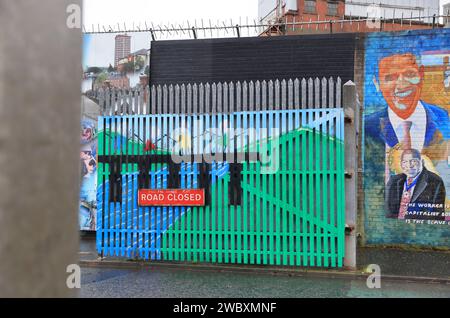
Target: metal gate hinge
[
  {"x": 349, "y": 115},
  {"x": 349, "y": 174},
  {"x": 349, "y": 229}
]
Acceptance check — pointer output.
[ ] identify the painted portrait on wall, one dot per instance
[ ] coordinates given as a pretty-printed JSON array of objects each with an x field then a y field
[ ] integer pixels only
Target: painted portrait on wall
[
  {"x": 88, "y": 166},
  {"x": 407, "y": 128}
]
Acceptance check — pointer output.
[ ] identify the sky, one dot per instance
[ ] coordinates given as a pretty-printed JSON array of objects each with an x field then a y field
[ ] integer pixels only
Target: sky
[
  {"x": 162, "y": 12},
  {"x": 111, "y": 12},
  {"x": 158, "y": 12}
]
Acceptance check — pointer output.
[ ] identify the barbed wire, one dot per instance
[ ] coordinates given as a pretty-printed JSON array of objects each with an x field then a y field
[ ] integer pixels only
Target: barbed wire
[{"x": 252, "y": 28}]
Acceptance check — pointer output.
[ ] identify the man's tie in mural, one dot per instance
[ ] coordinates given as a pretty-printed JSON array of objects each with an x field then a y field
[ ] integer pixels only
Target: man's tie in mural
[{"x": 406, "y": 143}]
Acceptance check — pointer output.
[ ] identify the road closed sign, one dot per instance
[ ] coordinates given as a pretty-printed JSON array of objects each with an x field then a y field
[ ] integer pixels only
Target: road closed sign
[{"x": 188, "y": 197}]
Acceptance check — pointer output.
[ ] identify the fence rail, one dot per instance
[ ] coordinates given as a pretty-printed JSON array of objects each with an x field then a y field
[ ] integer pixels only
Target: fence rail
[{"x": 286, "y": 94}]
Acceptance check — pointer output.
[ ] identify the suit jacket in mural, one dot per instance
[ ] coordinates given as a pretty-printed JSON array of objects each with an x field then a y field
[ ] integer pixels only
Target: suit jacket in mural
[
  {"x": 429, "y": 191},
  {"x": 379, "y": 128}
]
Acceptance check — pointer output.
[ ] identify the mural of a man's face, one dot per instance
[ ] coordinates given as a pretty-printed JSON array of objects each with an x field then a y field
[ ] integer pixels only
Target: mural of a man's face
[
  {"x": 86, "y": 134},
  {"x": 411, "y": 164},
  {"x": 401, "y": 83}
]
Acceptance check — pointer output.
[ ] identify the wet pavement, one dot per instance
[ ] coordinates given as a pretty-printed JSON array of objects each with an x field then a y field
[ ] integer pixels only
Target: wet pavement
[
  {"x": 411, "y": 263},
  {"x": 178, "y": 283},
  {"x": 185, "y": 282},
  {"x": 392, "y": 261}
]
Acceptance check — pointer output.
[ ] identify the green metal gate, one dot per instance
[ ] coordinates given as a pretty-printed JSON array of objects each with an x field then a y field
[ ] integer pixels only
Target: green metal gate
[{"x": 274, "y": 187}]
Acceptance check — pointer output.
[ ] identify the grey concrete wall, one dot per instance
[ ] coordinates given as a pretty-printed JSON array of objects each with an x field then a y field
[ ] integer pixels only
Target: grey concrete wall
[{"x": 40, "y": 72}]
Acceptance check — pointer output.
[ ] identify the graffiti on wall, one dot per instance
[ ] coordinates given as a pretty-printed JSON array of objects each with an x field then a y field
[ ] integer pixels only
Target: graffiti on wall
[
  {"x": 88, "y": 168},
  {"x": 407, "y": 98}
]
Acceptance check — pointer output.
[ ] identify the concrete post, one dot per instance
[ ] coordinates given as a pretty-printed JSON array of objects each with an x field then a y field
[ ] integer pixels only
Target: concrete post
[
  {"x": 351, "y": 167},
  {"x": 40, "y": 75}
]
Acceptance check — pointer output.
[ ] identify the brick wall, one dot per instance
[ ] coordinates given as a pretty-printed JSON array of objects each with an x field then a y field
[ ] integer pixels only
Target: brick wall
[{"x": 430, "y": 50}]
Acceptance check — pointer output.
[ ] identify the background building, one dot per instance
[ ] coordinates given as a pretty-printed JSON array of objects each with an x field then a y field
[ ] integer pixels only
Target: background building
[
  {"x": 122, "y": 47},
  {"x": 447, "y": 12},
  {"x": 394, "y": 14},
  {"x": 397, "y": 9}
]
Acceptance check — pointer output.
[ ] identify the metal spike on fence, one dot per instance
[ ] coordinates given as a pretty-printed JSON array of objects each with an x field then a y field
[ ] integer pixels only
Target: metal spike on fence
[
  {"x": 117, "y": 103},
  {"x": 171, "y": 99},
  {"x": 128, "y": 94},
  {"x": 297, "y": 94},
  {"x": 324, "y": 93},
  {"x": 107, "y": 109},
  {"x": 159, "y": 99},
  {"x": 146, "y": 101},
  {"x": 264, "y": 93},
  {"x": 121, "y": 103},
  {"x": 231, "y": 106},
  {"x": 177, "y": 99},
  {"x": 126, "y": 101},
  {"x": 304, "y": 94},
  {"x": 338, "y": 93},
  {"x": 140, "y": 100},
  {"x": 248, "y": 91},
  {"x": 135, "y": 100},
  {"x": 317, "y": 92},
  {"x": 189, "y": 99},
  {"x": 290, "y": 88},
  {"x": 248, "y": 29},
  {"x": 208, "y": 98},
  {"x": 201, "y": 96},
  {"x": 331, "y": 92},
  {"x": 101, "y": 101},
  {"x": 214, "y": 98},
  {"x": 152, "y": 108},
  {"x": 225, "y": 27},
  {"x": 277, "y": 101},
  {"x": 271, "y": 95},
  {"x": 284, "y": 103},
  {"x": 219, "y": 98},
  {"x": 254, "y": 96},
  {"x": 225, "y": 98},
  {"x": 195, "y": 103},
  {"x": 165, "y": 100},
  {"x": 310, "y": 93},
  {"x": 203, "y": 28},
  {"x": 111, "y": 100},
  {"x": 183, "y": 99},
  {"x": 238, "y": 96},
  {"x": 143, "y": 99},
  {"x": 174, "y": 28}
]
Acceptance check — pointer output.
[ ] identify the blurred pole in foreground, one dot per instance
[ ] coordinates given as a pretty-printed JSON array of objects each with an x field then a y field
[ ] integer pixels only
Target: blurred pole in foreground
[{"x": 40, "y": 73}]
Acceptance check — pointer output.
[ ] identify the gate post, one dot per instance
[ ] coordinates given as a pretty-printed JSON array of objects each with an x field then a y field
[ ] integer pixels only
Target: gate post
[
  {"x": 351, "y": 164},
  {"x": 40, "y": 78}
]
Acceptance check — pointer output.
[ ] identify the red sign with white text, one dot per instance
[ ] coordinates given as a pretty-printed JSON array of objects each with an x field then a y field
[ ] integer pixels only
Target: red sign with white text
[{"x": 192, "y": 197}]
